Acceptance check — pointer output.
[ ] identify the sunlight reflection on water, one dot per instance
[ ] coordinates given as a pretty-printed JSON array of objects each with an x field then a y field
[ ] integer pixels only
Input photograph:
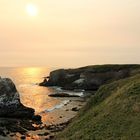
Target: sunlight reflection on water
[
  {"x": 31, "y": 94},
  {"x": 53, "y": 110}
]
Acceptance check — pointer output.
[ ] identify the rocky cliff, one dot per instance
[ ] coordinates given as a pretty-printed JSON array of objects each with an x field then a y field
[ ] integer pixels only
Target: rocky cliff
[
  {"x": 10, "y": 105},
  {"x": 90, "y": 77},
  {"x": 14, "y": 116},
  {"x": 112, "y": 113}
]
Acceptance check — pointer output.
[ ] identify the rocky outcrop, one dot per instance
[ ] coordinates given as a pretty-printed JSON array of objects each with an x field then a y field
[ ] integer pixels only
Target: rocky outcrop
[
  {"x": 60, "y": 77},
  {"x": 62, "y": 95},
  {"x": 88, "y": 78},
  {"x": 14, "y": 116},
  {"x": 10, "y": 105}
]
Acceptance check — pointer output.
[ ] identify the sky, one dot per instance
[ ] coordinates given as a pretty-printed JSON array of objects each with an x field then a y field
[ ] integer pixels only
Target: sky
[{"x": 69, "y": 33}]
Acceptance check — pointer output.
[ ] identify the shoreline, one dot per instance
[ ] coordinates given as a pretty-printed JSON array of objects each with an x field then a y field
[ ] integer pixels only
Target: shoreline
[
  {"x": 52, "y": 122},
  {"x": 58, "y": 120}
]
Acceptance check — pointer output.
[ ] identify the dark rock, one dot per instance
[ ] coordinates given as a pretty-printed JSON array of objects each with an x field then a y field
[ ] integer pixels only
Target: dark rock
[
  {"x": 56, "y": 77},
  {"x": 75, "y": 109},
  {"x": 51, "y": 137},
  {"x": 36, "y": 118},
  {"x": 8, "y": 133},
  {"x": 44, "y": 134},
  {"x": 88, "y": 78},
  {"x": 27, "y": 135},
  {"x": 14, "y": 116},
  {"x": 50, "y": 127},
  {"x": 56, "y": 128},
  {"x": 16, "y": 125},
  {"x": 12, "y": 135},
  {"x": 10, "y": 105},
  {"x": 23, "y": 137},
  {"x": 44, "y": 83},
  {"x": 62, "y": 95},
  {"x": 60, "y": 77},
  {"x": 40, "y": 134},
  {"x": 2, "y": 133}
]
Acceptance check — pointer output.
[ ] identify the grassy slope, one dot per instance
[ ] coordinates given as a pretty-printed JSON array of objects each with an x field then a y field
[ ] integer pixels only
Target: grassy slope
[
  {"x": 105, "y": 68},
  {"x": 112, "y": 114}
]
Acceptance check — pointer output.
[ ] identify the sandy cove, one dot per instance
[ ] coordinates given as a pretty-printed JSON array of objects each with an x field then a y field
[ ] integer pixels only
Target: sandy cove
[{"x": 53, "y": 122}]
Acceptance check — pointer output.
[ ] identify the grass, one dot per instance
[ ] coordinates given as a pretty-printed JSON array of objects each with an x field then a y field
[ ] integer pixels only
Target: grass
[
  {"x": 113, "y": 113},
  {"x": 106, "y": 68}
]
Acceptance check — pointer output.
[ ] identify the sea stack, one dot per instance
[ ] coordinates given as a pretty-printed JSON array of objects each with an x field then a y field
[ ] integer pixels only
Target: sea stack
[{"x": 10, "y": 105}]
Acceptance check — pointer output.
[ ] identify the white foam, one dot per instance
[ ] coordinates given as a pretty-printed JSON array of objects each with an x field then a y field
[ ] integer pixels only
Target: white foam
[{"x": 55, "y": 107}]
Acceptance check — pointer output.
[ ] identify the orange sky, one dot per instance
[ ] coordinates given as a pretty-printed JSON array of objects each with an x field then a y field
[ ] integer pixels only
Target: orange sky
[{"x": 69, "y": 33}]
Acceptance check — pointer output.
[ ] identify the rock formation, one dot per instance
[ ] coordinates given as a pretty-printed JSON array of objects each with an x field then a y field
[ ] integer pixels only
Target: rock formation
[
  {"x": 88, "y": 78},
  {"x": 14, "y": 116},
  {"x": 10, "y": 105}
]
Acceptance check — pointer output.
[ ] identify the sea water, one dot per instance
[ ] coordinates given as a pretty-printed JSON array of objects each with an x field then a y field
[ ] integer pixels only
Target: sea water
[{"x": 26, "y": 80}]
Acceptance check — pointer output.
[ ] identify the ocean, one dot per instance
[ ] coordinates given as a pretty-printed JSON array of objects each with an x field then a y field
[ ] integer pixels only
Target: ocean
[{"x": 32, "y": 95}]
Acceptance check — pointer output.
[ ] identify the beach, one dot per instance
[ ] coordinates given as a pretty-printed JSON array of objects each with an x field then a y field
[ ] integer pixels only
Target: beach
[
  {"x": 52, "y": 122},
  {"x": 53, "y": 110}
]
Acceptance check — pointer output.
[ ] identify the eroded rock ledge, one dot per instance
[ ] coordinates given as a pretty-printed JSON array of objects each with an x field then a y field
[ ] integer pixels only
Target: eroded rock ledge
[{"x": 88, "y": 78}]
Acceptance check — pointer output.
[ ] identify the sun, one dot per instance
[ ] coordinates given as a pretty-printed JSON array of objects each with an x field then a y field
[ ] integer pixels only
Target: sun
[{"x": 32, "y": 9}]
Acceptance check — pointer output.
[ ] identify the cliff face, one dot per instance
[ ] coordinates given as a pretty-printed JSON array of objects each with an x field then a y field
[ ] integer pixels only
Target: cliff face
[
  {"x": 8, "y": 93},
  {"x": 10, "y": 105},
  {"x": 14, "y": 116},
  {"x": 90, "y": 77}
]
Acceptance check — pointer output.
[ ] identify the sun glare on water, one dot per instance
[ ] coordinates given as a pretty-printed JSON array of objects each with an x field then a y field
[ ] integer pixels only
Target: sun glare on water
[{"x": 32, "y": 9}]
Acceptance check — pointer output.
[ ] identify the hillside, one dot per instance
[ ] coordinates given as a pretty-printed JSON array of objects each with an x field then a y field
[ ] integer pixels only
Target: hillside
[{"x": 113, "y": 113}]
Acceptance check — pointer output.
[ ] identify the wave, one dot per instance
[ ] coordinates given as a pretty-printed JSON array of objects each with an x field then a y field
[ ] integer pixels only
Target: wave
[{"x": 56, "y": 107}]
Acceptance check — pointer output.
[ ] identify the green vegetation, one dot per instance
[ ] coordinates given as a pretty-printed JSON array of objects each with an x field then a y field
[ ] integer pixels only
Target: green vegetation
[
  {"x": 113, "y": 113},
  {"x": 106, "y": 68}
]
